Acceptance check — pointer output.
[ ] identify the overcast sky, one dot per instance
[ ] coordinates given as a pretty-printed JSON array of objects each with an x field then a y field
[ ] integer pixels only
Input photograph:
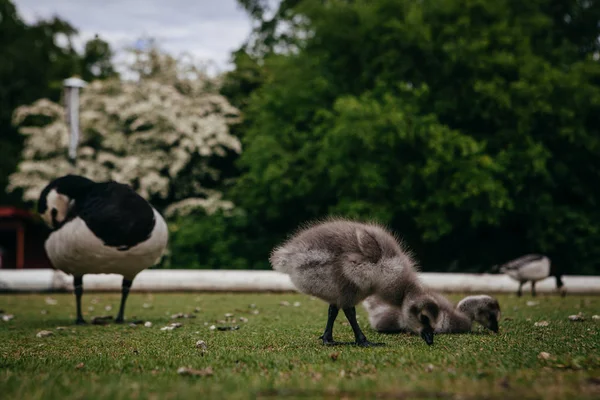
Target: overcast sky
[{"x": 208, "y": 29}]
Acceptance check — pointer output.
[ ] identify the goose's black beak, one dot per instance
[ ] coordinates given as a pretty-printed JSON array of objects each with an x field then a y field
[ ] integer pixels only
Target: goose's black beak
[{"x": 427, "y": 335}]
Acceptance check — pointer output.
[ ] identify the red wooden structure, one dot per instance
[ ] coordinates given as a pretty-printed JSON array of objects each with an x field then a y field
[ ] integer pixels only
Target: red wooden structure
[{"x": 22, "y": 236}]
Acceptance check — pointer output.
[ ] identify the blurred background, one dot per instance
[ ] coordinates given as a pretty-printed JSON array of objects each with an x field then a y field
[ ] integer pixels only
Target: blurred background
[{"x": 470, "y": 127}]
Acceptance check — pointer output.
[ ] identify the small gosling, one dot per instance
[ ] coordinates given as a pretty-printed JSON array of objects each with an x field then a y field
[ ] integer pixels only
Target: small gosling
[
  {"x": 483, "y": 309},
  {"x": 343, "y": 262}
]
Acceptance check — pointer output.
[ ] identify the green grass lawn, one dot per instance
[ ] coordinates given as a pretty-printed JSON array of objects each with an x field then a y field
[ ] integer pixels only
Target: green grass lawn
[{"x": 276, "y": 353}]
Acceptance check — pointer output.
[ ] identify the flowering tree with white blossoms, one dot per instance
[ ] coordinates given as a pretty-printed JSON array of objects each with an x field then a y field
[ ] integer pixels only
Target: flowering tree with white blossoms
[{"x": 160, "y": 133}]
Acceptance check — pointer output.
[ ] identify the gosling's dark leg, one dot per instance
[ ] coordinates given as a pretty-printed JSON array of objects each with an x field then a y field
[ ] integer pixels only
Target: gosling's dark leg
[
  {"x": 328, "y": 334},
  {"x": 519, "y": 292},
  {"x": 78, "y": 284},
  {"x": 361, "y": 339},
  {"x": 533, "y": 288},
  {"x": 125, "y": 292}
]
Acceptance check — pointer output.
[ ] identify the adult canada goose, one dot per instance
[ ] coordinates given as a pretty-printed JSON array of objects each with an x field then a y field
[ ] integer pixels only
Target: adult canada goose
[
  {"x": 532, "y": 267},
  {"x": 342, "y": 262},
  {"x": 100, "y": 228},
  {"x": 483, "y": 309}
]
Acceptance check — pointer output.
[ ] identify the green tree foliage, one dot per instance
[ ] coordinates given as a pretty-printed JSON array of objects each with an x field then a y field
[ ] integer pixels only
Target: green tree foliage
[
  {"x": 248, "y": 76},
  {"x": 470, "y": 127},
  {"x": 96, "y": 62},
  {"x": 33, "y": 64},
  {"x": 275, "y": 25},
  {"x": 223, "y": 240}
]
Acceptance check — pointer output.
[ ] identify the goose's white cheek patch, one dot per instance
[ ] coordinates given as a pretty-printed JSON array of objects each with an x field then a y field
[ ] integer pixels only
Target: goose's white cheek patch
[{"x": 58, "y": 202}]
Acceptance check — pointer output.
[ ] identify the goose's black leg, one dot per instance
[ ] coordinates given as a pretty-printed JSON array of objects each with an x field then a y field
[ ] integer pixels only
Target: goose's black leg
[
  {"x": 78, "y": 284},
  {"x": 328, "y": 334},
  {"x": 125, "y": 292},
  {"x": 519, "y": 292},
  {"x": 361, "y": 339},
  {"x": 533, "y": 288}
]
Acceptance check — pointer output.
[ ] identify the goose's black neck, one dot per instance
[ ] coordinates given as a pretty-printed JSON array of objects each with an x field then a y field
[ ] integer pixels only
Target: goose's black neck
[
  {"x": 556, "y": 274},
  {"x": 559, "y": 282},
  {"x": 73, "y": 186}
]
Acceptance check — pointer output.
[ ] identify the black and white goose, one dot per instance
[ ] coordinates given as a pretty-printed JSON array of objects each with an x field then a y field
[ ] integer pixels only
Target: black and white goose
[
  {"x": 100, "y": 228},
  {"x": 532, "y": 268}
]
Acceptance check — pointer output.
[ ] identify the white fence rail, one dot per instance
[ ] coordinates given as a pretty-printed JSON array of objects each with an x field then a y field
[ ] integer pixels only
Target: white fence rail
[{"x": 47, "y": 280}]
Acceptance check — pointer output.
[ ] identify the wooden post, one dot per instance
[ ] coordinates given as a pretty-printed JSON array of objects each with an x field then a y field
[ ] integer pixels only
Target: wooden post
[{"x": 20, "y": 246}]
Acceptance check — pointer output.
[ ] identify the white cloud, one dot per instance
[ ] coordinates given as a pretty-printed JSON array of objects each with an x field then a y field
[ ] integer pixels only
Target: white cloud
[{"x": 207, "y": 29}]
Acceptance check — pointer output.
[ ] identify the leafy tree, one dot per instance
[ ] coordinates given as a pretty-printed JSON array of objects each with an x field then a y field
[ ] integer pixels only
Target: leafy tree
[
  {"x": 33, "y": 65},
  {"x": 221, "y": 240},
  {"x": 97, "y": 60},
  {"x": 163, "y": 133},
  {"x": 275, "y": 26},
  {"x": 247, "y": 76},
  {"x": 470, "y": 127}
]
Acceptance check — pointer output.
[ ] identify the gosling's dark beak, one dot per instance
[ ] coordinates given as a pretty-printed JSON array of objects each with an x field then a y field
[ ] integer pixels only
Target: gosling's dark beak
[
  {"x": 494, "y": 324},
  {"x": 427, "y": 335}
]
